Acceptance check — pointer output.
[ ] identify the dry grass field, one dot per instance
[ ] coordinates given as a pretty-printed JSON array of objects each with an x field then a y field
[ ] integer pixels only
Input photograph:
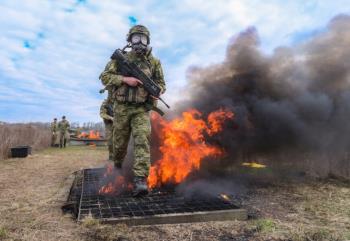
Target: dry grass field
[
  {"x": 35, "y": 135},
  {"x": 33, "y": 189}
]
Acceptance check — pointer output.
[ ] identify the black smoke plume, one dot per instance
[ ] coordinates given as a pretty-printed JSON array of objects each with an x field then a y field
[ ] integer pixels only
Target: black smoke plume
[{"x": 293, "y": 104}]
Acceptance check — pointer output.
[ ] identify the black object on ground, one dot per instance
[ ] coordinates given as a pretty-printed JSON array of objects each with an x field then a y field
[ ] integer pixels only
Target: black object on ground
[{"x": 21, "y": 151}]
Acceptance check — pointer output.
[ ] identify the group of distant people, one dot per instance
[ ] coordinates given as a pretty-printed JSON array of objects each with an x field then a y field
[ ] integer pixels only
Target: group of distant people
[{"x": 59, "y": 132}]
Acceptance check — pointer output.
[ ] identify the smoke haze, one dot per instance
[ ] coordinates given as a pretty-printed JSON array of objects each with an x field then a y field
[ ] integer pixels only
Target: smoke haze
[{"x": 294, "y": 102}]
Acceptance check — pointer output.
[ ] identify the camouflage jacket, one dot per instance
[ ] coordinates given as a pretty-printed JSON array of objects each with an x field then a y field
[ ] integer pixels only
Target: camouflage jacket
[
  {"x": 63, "y": 126},
  {"x": 53, "y": 127},
  {"x": 106, "y": 111},
  {"x": 150, "y": 65}
]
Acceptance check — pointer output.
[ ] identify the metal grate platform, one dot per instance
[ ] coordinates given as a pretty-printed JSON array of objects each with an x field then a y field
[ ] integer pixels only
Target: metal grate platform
[{"x": 158, "y": 207}]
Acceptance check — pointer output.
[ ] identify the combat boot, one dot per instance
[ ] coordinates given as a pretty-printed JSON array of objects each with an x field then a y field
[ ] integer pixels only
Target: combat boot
[{"x": 140, "y": 187}]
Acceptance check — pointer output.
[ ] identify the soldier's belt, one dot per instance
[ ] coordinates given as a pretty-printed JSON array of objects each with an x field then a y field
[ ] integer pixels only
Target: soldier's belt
[
  {"x": 148, "y": 106},
  {"x": 132, "y": 103}
]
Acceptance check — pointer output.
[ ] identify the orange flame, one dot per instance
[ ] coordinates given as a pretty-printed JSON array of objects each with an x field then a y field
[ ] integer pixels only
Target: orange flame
[
  {"x": 183, "y": 145},
  {"x": 113, "y": 187},
  {"x": 94, "y": 135},
  {"x": 117, "y": 185},
  {"x": 107, "y": 189}
]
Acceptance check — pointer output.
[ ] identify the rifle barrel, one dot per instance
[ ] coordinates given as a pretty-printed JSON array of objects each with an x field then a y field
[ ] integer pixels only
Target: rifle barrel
[{"x": 164, "y": 102}]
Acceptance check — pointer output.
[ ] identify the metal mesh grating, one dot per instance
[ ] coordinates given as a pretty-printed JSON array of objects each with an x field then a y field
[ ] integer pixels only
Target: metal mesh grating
[{"x": 158, "y": 202}]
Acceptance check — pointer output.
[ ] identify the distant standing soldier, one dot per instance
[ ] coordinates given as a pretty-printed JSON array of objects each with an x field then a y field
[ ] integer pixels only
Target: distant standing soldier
[
  {"x": 131, "y": 105},
  {"x": 106, "y": 113},
  {"x": 54, "y": 129},
  {"x": 63, "y": 127}
]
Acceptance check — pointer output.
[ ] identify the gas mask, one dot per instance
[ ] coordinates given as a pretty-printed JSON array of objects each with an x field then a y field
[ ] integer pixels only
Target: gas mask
[{"x": 139, "y": 43}]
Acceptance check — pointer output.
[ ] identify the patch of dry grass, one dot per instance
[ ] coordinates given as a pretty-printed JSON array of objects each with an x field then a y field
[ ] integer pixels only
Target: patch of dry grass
[
  {"x": 309, "y": 211},
  {"x": 33, "y": 190},
  {"x": 38, "y": 136}
]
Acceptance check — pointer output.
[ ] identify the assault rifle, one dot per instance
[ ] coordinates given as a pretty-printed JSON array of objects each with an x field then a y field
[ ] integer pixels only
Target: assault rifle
[{"x": 130, "y": 69}]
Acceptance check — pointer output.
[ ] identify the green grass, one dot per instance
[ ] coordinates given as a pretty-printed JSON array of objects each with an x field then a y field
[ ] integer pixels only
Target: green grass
[
  {"x": 3, "y": 233},
  {"x": 347, "y": 235},
  {"x": 265, "y": 225}
]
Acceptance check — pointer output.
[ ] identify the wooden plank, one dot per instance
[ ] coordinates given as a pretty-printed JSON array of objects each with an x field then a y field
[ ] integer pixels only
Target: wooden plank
[{"x": 222, "y": 215}]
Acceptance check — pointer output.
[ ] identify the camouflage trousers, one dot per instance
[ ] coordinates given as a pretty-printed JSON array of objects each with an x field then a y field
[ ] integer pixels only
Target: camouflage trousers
[
  {"x": 109, "y": 137},
  {"x": 63, "y": 137},
  {"x": 132, "y": 119},
  {"x": 54, "y": 138}
]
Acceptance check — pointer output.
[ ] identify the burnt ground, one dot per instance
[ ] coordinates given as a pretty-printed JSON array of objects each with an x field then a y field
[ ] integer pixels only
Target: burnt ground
[{"x": 32, "y": 191}]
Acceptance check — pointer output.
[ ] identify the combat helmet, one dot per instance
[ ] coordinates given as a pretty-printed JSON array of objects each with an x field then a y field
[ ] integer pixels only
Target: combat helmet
[{"x": 138, "y": 29}]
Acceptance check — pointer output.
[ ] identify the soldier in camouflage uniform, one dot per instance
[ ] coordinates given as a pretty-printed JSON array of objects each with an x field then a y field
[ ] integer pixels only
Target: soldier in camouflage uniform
[
  {"x": 131, "y": 105},
  {"x": 63, "y": 133},
  {"x": 54, "y": 130},
  {"x": 106, "y": 113}
]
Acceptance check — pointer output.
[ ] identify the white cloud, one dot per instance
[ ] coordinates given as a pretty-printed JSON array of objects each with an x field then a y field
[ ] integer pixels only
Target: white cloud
[{"x": 69, "y": 43}]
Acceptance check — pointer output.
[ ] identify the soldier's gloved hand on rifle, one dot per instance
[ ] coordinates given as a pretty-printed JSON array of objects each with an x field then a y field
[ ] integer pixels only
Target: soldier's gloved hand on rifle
[{"x": 131, "y": 81}]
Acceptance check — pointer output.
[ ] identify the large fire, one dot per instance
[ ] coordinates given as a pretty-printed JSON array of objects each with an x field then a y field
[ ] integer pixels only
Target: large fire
[
  {"x": 93, "y": 135},
  {"x": 183, "y": 145}
]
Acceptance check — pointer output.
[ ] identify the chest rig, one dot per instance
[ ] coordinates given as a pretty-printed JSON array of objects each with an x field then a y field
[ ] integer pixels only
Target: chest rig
[{"x": 137, "y": 94}]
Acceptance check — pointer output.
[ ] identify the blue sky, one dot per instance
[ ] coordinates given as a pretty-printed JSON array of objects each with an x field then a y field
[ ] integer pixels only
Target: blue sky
[{"x": 52, "y": 52}]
